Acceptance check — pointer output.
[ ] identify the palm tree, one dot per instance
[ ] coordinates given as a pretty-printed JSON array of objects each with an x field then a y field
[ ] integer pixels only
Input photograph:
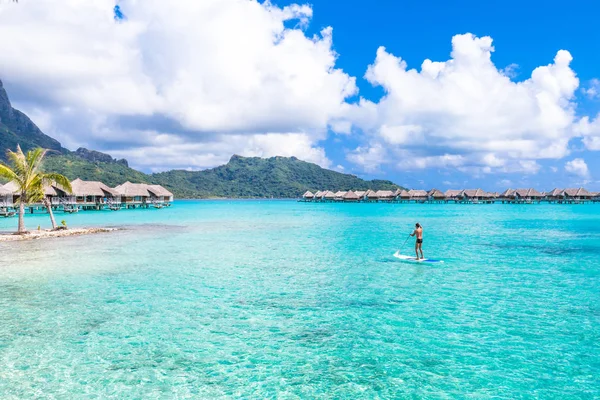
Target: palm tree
[{"x": 30, "y": 181}]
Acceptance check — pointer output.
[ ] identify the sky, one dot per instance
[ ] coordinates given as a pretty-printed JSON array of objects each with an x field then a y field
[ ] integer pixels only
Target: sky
[{"x": 463, "y": 94}]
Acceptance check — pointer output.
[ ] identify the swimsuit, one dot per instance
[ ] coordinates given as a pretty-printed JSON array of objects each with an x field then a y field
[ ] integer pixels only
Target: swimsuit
[{"x": 420, "y": 241}]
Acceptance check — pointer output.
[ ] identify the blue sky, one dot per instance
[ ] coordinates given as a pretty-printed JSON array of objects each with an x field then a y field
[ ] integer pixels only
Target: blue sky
[
  {"x": 525, "y": 33},
  {"x": 510, "y": 97}
]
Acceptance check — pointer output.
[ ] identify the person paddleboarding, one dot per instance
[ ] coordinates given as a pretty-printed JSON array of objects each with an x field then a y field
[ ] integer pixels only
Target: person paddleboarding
[{"x": 418, "y": 232}]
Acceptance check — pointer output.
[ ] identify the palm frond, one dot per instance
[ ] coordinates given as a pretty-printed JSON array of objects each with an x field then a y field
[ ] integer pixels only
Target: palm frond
[
  {"x": 57, "y": 179},
  {"x": 18, "y": 161},
  {"x": 34, "y": 160},
  {"x": 7, "y": 173},
  {"x": 35, "y": 195}
]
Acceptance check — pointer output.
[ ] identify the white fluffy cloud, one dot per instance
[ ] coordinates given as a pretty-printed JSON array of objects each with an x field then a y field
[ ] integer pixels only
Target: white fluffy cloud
[
  {"x": 158, "y": 152},
  {"x": 589, "y": 130},
  {"x": 592, "y": 90},
  {"x": 578, "y": 167},
  {"x": 187, "y": 84},
  {"x": 466, "y": 112},
  {"x": 223, "y": 73}
]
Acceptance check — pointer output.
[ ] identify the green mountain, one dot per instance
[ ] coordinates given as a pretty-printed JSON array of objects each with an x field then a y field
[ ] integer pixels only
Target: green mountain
[
  {"x": 258, "y": 177},
  {"x": 17, "y": 128},
  {"x": 244, "y": 177},
  {"x": 111, "y": 173}
]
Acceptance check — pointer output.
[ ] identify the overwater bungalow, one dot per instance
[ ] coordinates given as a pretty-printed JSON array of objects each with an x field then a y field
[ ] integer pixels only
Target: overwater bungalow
[
  {"x": 91, "y": 195},
  {"x": 52, "y": 192},
  {"x": 308, "y": 196},
  {"x": 351, "y": 197},
  {"x": 329, "y": 196},
  {"x": 436, "y": 196},
  {"x": 6, "y": 197},
  {"x": 133, "y": 195},
  {"x": 419, "y": 196},
  {"x": 475, "y": 196},
  {"x": 318, "y": 196},
  {"x": 385, "y": 195},
  {"x": 371, "y": 195},
  {"x": 452, "y": 195},
  {"x": 555, "y": 195},
  {"x": 159, "y": 196},
  {"x": 361, "y": 194},
  {"x": 401, "y": 196},
  {"x": 527, "y": 196},
  {"x": 507, "y": 196},
  {"x": 580, "y": 195},
  {"x": 339, "y": 195}
]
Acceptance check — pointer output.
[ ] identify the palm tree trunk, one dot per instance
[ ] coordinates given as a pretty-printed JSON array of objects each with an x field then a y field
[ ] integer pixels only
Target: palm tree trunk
[
  {"x": 21, "y": 228},
  {"x": 48, "y": 206}
]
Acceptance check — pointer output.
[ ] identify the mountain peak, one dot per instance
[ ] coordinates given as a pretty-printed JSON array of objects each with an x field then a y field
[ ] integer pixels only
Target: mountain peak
[
  {"x": 96, "y": 156},
  {"x": 17, "y": 129}
]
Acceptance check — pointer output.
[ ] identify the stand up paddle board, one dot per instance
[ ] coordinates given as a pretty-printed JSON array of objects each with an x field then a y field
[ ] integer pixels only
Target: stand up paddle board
[{"x": 414, "y": 259}]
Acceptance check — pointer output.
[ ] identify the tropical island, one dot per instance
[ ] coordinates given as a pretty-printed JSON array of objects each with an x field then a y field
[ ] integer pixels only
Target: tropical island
[{"x": 241, "y": 177}]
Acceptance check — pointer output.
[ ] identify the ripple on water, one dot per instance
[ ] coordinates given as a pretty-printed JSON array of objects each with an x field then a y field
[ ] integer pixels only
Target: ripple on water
[{"x": 286, "y": 300}]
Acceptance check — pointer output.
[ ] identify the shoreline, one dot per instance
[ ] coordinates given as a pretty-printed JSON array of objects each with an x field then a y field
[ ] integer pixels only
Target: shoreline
[{"x": 48, "y": 234}]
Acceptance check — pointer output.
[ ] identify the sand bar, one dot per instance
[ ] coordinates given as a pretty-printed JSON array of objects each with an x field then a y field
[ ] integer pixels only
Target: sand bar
[{"x": 44, "y": 234}]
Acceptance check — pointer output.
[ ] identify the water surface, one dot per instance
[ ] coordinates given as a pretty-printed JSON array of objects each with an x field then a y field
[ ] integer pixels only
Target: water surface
[{"x": 263, "y": 299}]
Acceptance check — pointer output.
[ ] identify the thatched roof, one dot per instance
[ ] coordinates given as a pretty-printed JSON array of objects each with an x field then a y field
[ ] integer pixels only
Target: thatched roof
[
  {"x": 371, "y": 194},
  {"x": 129, "y": 189},
  {"x": 473, "y": 193},
  {"x": 577, "y": 192},
  {"x": 4, "y": 191},
  {"x": 340, "y": 194},
  {"x": 556, "y": 193},
  {"x": 91, "y": 188},
  {"x": 351, "y": 196},
  {"x": 318, "y": 194},
  {"x": 308, "y": 195},
  {"x": 452, "y": 193},
  {"x": 11, "y": 186},
  {"x": 361, "y": 193},
  {"x": 417, "y": 193},
  {"x": 158, "y": 190},
  {"x": 385, "y": 194},
  {"x": 508, "y": 193},
  {"x": 436, "y": 194},
  {"x": 527, "y": 193},
  {"x": 404, "y": 194},
  {"x": 329, "y": 195}
]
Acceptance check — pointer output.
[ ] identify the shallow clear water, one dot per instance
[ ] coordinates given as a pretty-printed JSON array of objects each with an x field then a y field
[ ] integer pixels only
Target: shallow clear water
[{"x": 263, "y": 299}]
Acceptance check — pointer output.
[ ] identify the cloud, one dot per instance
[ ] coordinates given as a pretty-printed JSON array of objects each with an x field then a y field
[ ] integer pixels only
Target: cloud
[
  {"x": 589, "y": 130},
  {"x": 370, "y": 158},
  {"x": 159, "y": 151},
  {"x": 593, "y": 89},
  {"x": 214, "y": 69},
  {"x": 578, "y": 167},
  {"x": 467, "y": 113}
]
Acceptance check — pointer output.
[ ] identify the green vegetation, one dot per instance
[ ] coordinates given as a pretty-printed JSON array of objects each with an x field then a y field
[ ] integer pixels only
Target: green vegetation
[
  {"x": 242, "y": 177},
  {"x": 112, "y": 174},
  {"x": 278, "y": 177},
  {"x": 25, "y": 173}
]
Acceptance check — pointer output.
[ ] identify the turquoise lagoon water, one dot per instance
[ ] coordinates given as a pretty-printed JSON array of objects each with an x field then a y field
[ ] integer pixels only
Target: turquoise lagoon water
[{"x": 278, "y": 299}]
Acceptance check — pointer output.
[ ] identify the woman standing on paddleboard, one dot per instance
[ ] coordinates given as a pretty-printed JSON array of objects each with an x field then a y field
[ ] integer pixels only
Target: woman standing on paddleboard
[{"x": 419, "y": 244}]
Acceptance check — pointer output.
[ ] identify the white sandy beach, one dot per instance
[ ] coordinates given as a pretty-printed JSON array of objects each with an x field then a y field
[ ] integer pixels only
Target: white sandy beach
[{"x": 48, "y": 233}]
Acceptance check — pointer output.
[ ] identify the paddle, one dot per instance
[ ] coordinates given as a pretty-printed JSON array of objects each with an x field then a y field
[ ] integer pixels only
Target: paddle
[{"x": 408, "y": 237}]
